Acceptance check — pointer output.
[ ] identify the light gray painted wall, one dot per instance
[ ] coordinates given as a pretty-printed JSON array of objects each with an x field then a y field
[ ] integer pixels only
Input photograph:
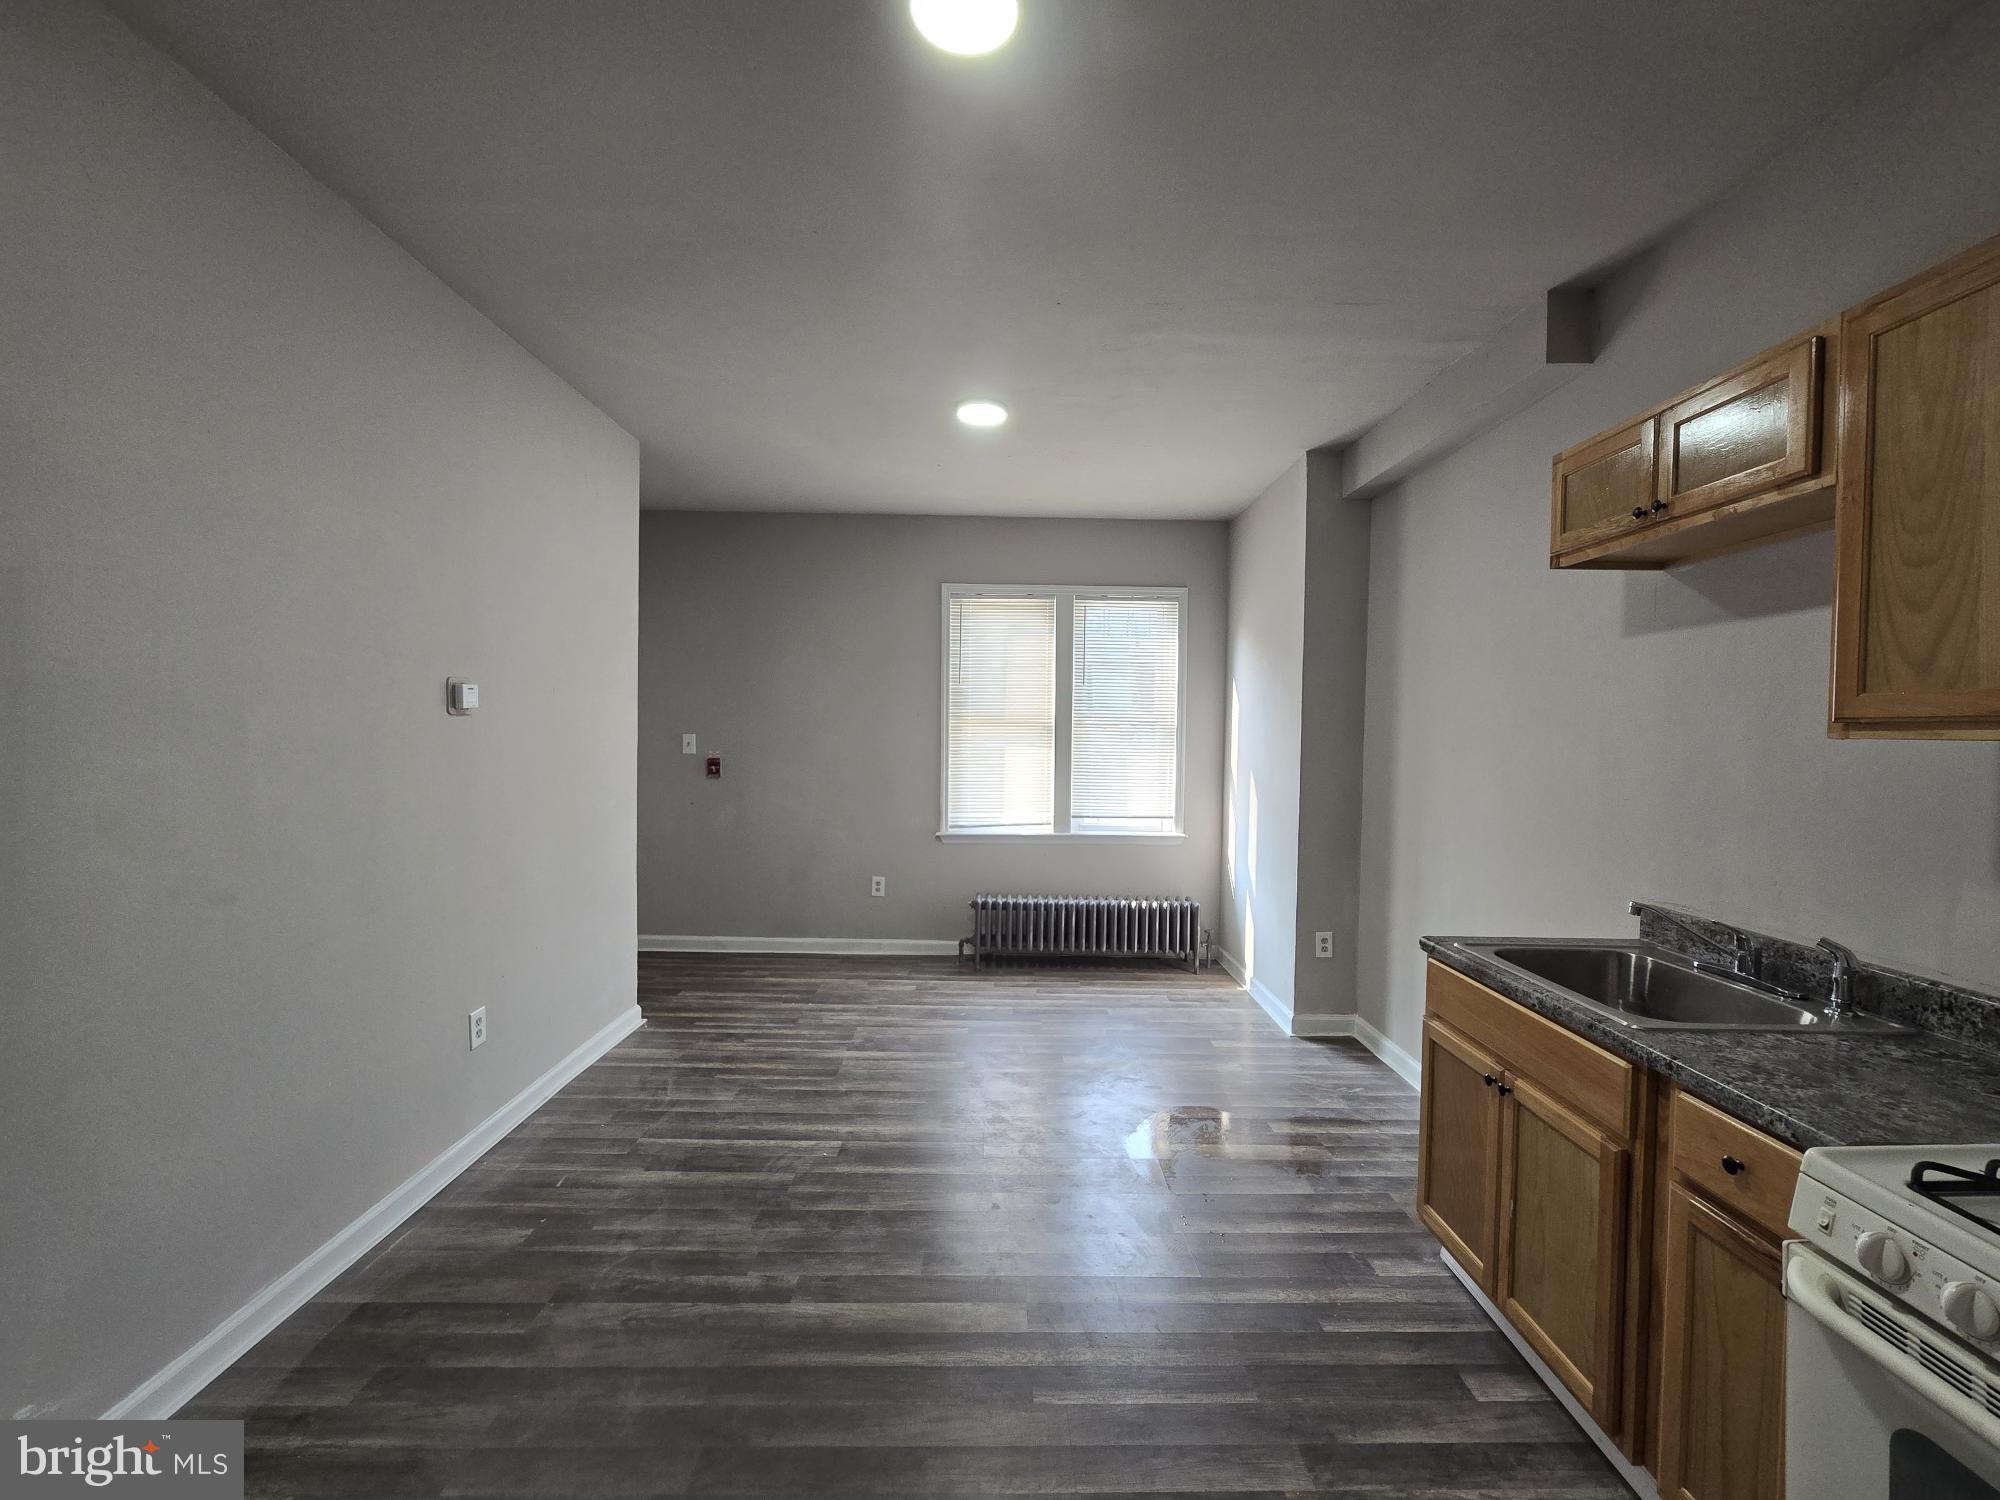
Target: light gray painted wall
[
  {"x": 1332, "y": 702},
  {"x": 1298, "y": 620},
  {"x": 807, "y": 651},
  {"x": 267, "y": 483},
  {"x": 1541, "y": 748},
  {"x": 1267, "y": 616}
]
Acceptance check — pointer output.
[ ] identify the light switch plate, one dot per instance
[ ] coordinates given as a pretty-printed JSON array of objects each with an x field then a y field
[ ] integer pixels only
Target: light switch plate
[{"x": 687, "y": 744}]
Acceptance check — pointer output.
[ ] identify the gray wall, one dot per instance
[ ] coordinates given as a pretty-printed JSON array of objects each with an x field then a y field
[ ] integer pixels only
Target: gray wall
[
  {"x": 267, "y": 482},
  {"x": 1298, "y": 618},
  {"x": 1333, "y": 693},
  {"x": 806, "y": 651},
  {"x": 1542, "y": 747},
  {"x": 1267, "y": 614}
]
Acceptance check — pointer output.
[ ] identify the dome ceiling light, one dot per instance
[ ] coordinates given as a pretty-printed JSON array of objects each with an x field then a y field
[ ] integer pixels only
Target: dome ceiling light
[{"x": 966, "y": 28}]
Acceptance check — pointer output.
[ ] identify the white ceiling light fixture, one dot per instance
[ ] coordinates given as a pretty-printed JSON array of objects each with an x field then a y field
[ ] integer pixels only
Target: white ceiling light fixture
[
  {"x": 982, "y": 413},
  {"x": 966, "y": 28}
]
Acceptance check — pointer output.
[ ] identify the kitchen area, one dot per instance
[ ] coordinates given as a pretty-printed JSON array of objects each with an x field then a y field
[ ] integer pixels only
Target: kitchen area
[{"x": 1736, "y": 1196}]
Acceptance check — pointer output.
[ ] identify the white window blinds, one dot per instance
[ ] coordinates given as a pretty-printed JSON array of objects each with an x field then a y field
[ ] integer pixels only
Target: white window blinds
[
  {"x": 1125, "y": 715},
  {"x": 1000, "y": 716}
]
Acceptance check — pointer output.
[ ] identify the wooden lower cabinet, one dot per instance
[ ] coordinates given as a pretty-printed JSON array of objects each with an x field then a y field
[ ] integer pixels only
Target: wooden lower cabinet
[
  {"x": 1628, "y": 1231},
  {"x": 1523, "y": 1174},
  {"x": 1562, "y": 1246},
  {"x": 1722, "y": 1396},
  {"x": 1458, "y": 1161}
]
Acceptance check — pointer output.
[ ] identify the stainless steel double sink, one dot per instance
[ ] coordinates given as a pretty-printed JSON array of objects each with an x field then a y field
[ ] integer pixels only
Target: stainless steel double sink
[{"x": 1648, "y": 988}]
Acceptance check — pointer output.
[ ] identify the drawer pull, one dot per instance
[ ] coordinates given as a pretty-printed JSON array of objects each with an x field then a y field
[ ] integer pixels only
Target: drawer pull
[{"x": 1731, "y": 1165}]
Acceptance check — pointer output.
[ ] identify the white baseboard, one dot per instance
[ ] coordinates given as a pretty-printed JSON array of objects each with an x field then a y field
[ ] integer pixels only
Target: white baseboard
[
  {"x": 650, "y": 942},
  {"x": 1271, "y": 1003},
  {"x": 1640, "y": 1482},
  {"x": 1395, "y": 1058},
  {"x": 1398, "y": 1061},
  {"x": 1318, "y": 1028},
  {"x": 166, "y": 1392}
]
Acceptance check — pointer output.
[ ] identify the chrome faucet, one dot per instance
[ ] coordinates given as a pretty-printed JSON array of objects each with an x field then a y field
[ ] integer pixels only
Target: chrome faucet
[
  {"x": 1744, "y": 958},
  {"x": 1840, "y": 999}
]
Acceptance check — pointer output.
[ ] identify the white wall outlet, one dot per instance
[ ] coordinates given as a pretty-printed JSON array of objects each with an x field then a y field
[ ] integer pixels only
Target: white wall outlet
[
  {"x": 878, "y": 885},
  {"x": 687, "y": 744},
  {"x": 1322, "y": 945},
  {"x": 475, "y": 1025}
]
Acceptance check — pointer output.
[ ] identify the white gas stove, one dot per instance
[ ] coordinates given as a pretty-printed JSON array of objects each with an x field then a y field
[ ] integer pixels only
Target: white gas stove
[{"x": 1893, "y": 1328}]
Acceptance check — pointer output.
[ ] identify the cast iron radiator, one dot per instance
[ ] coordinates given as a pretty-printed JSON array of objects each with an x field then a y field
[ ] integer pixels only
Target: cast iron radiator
[{"x": 1033, "y": 928}]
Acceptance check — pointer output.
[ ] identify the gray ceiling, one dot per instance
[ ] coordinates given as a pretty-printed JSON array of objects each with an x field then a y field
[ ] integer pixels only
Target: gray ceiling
[{"x": 1183, "y": 239}]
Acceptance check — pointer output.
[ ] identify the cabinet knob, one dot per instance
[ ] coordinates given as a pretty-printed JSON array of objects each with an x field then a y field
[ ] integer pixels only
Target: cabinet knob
[
  {"x": 1491, "y": 1080},
  {"x": 1658, "y": 506},
  {"x": 1506, "y": 1088},
  {"x": 1731, "y": 1165},
  {"x": 1638, "y": 512}
]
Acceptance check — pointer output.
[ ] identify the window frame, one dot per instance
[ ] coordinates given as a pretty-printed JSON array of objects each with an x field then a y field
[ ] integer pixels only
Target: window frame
[{"x": 1065, "y": 597}]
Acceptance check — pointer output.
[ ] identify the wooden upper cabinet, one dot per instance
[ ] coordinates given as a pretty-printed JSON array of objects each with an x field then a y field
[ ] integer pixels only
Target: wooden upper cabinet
[
  {"x": 1722, "y": 1377},
  {"x": 1754, "y": 430},
  {"x": 1603, "y": 487},
  {"x": 1916, "y": 646},
  {"x": 1737, "y": 460},
  {"x": 1458, "y": 1152},
  {"x": 1560, "y": 1278}
]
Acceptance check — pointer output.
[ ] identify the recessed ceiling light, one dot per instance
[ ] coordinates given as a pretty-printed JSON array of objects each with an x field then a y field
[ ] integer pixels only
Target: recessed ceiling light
[
  {"x": 966, "y": 28},
  {"x": 981, "y": 413}
]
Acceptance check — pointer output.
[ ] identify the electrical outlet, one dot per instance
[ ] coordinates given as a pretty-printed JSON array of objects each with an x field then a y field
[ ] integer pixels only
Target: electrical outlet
[
  {"x": 1322, "y": 945},
  {"x": 687, "y": 744},
  {"x": 878, "y": 885},
  {"x": 475, "y": 1025}
]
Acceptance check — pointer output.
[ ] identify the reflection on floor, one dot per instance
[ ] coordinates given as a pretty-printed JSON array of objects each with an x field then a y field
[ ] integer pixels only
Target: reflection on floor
[{"x": 885, "y": 1227}]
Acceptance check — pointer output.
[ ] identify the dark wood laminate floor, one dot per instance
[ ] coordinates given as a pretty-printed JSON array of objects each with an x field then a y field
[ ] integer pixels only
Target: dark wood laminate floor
[{"x": 842, "y": 1227}]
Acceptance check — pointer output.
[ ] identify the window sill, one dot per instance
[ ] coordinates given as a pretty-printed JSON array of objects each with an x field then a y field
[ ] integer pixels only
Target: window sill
[{"x": 1062, "y": 838}]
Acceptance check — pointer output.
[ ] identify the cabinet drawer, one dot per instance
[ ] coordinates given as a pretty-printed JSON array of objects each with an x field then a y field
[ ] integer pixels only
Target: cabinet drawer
[
  {"x": 1709, "y": 1143},
  {"x": 1597, "y": 1084}
]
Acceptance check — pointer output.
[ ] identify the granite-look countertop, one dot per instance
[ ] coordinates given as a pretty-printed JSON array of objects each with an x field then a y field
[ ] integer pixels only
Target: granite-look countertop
[{"x": 1830, "y": 1089}]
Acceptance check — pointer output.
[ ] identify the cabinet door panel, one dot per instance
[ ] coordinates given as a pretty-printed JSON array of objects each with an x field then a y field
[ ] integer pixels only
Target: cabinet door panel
[
  {"x": 1917, "y": 571},
  {"x": 1600, "y": 484},
  {"x": 1754, "y": 431},
  {"x": 1562, "y": 1245},
  {"x": 1722, "y": 1399},
  {"x": 1458, "y": 1158}
]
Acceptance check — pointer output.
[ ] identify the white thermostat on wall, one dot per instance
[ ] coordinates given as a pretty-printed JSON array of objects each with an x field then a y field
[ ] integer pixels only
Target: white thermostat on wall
[{"x": 460, "y": 696}]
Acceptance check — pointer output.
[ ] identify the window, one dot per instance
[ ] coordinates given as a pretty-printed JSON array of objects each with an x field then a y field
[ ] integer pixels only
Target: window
[
  {"x": 1087, "y": 749},
  {"x": 1000, "y": 716}
]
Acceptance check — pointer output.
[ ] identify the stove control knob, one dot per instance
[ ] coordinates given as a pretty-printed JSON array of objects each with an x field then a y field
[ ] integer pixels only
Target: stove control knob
[
  {"x": 1970, "y": 1309},
  {"x": 1882, "y": 1258}
]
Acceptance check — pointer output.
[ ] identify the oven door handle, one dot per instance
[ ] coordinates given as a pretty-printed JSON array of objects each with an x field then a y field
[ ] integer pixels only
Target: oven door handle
[{"x": 1818, "y": 1293}]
